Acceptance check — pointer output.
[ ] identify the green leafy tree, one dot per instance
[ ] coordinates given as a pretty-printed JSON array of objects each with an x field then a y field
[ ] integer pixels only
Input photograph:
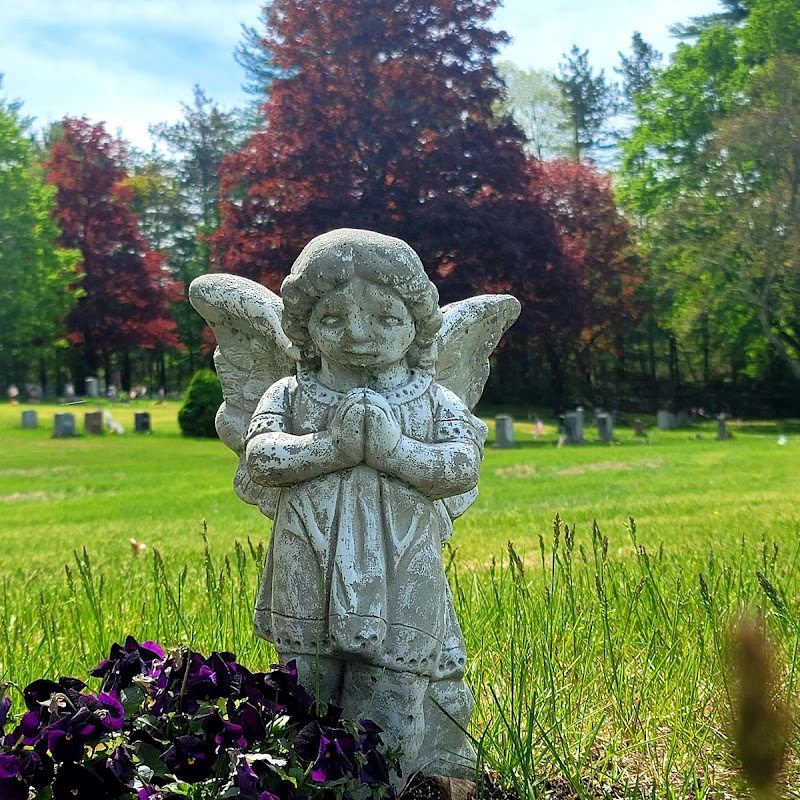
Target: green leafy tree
[
  {"x": 700, "y": 174},
  {"x": 749, "y": 218},
  {"x": 535, "y": 102},
  {"x": 36, "y": 275}
]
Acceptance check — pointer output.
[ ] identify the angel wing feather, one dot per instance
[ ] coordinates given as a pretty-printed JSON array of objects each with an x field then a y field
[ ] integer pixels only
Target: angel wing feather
[
  {"x": 252, "y": 353},
  {"x": 470, "y": 332}
]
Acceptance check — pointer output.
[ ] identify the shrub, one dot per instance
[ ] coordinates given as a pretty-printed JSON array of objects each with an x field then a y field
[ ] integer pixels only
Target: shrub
[{"x": 203, "y": 398}]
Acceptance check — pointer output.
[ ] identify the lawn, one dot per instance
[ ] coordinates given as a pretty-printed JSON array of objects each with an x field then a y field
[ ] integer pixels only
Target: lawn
[{"x": 598, "y": 652}]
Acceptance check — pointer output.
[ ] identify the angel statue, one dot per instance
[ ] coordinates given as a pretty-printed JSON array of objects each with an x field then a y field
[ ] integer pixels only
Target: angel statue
[{"x": 347, "y": 400}]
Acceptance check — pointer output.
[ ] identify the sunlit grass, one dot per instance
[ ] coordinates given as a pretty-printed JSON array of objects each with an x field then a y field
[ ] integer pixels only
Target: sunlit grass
[{"x": 598, "y": 654}]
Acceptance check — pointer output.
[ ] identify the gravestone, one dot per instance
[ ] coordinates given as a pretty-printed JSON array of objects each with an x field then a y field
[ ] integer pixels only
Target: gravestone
[
  {"x": 665, "y": 420},
  {"x": 92, "y": 387},
  {"x": 638, "y": 428},
  {"x": 722, "y": 430},
  {"x": 141, "y": 422},
  {"x": 504, "y": 431},
  {"x": 30, "y": 419},
  {"x": 573, "y": 427},
  {"x": 682, "y": 420},
  {"x": 64, "y": 426},
  {"x": 605, "y": 428},
  {"x": 93, "y": 422}
]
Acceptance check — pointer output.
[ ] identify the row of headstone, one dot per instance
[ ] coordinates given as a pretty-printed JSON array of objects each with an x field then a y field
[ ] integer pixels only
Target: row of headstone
[
  {"x": 93, "y": 423},
  {"x": 572, "y": 428}
]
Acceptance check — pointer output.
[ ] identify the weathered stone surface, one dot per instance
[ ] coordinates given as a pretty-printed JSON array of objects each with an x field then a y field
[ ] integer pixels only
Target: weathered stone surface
[
  {"x": 92, "y": 387},
  {"x": 605, "y": 428},
  {"x": 348, "y": 401},
  {"x": 30, "y": 419},
  {"x": 93, "y": 422},
  {"x": 63, "y": 425},
  {"x": 665, "y": 421},
  {"x": 573, "y": 427},
  {"x": 141, "y": 422},
  {"x": 504, "y": 431}
]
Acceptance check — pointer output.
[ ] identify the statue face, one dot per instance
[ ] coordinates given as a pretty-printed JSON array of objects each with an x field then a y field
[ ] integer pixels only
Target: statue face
[{"x": 362, "y": 326}]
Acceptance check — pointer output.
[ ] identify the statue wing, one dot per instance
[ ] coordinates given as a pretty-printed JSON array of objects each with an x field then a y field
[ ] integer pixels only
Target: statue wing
[
  {"x": 252, "y": 353},
  {"x": 470, "y": 332}
]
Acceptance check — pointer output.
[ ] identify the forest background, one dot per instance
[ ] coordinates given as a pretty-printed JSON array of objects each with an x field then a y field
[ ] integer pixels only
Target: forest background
[{"x": 647, "y": 220}]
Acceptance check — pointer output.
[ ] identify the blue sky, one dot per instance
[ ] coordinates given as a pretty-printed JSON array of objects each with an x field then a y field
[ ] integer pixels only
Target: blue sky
[{"x": 130, "y": 63}]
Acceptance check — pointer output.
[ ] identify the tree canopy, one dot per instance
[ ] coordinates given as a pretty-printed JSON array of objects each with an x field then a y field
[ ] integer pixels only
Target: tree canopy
[
  {"x": 384, "y": 120},
  {"x": 710, "y": 170},
  {"x": 126, "y": 292},
  {"x": 36, "y": 289}
]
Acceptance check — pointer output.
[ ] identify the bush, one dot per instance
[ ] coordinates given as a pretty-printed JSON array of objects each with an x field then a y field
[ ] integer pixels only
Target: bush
[{"x": 203, "y": 398}]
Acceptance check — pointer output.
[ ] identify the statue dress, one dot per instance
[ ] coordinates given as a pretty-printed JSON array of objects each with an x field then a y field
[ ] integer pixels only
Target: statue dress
[{"x": 358, "y": 551}]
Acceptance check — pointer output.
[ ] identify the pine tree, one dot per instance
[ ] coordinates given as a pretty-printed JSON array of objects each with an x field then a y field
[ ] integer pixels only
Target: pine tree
[{"x": 591, "y": 101}]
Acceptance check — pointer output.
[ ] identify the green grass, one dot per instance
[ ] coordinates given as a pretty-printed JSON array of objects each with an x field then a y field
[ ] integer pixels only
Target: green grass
[{"x": 597, "y": 656}]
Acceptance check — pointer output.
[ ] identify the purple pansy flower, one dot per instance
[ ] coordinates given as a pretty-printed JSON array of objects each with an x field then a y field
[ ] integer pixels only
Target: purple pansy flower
[
  {"x": 224, "y": 732},
  {"x": 332, "y": 751},
  {"x": 280, "y": 692},
  {"x": 15, "y": 777},
  {"x": 191, "y": 758},
  {"x": 64, "y": 742},
  {"x": 125, "y": 662},
  {"x": 74, "y": 782}
]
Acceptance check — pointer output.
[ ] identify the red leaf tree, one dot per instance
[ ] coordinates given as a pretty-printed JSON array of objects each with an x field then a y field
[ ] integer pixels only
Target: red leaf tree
[
  {"x": 384, "y": 121},
  {"x": 603, "y": 298},
  {"x": 127, "y": 292}
]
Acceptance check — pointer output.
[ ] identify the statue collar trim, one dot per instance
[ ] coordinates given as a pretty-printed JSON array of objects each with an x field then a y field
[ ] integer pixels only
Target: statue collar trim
[{"x": 414, "y": 389}]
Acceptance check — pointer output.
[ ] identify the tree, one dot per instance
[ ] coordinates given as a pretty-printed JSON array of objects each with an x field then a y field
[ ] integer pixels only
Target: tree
[
  {"x": 590, "y": 99},
  {"x": 35, "y": 290},
  {"x": 125, "y": 305},
  {"x": 637, "y": 70},
  {"x": 534, "y": 100},
  {"x": 187, "y": 189},
  {"x": 199, "y": 142},
  {"x": 700, "y": 175},
  {"x": 383, "y": 119},
  {"x": 735, "y": 12},
  {"x": 605, "y": 300},
  {"x": 664, "y": 155},
  {"x": 256, "y": 61},
  {"x": 750, "y": 216}
]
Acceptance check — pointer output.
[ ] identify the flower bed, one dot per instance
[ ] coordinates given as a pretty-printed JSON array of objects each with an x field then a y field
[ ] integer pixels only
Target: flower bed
[{"x": 177, "y": 724}]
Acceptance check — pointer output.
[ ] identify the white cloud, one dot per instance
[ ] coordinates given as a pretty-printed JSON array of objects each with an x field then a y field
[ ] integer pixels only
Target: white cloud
[
  {"x": 132, "y": 62},
  {"x": 542, "y": 36}
]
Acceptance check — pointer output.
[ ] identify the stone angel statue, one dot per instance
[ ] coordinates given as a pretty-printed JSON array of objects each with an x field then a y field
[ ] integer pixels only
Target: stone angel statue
[{"x": 348, "y": 401}]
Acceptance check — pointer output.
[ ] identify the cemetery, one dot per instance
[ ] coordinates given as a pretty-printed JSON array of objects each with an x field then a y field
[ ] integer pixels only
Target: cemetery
[
  {"x": 422, "y": 427},
  {"x": 525, "y": 592}
]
